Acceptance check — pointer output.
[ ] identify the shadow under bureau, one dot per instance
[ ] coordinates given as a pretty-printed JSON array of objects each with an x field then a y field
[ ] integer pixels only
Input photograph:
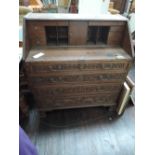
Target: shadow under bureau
[{"x": 85, "y": 59}]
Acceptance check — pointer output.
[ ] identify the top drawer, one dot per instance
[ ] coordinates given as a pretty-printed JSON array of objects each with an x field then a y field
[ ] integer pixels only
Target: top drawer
[{"x": 40, "y": 67}]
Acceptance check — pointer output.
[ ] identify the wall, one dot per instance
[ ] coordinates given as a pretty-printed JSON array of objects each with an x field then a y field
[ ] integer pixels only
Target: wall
[{"x": 93, "y": 6}]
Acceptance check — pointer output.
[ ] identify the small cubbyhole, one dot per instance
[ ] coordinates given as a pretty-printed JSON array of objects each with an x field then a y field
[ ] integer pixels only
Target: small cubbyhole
[
  {"x": 97, "y": 34},
  {"x": 56, "y": 35}
]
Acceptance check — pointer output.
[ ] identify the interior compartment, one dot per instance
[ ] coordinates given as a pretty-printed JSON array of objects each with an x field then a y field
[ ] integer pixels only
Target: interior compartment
[
  {"x": 62, "y": 35},
  {"x": 51, "y": 34},
  {"x": 97, "y": 34},
  {"x": 56, "y": 35}
]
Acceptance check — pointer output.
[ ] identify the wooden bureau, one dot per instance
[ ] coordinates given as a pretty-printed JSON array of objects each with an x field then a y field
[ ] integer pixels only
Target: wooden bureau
[{"x": 85, "y": 62}]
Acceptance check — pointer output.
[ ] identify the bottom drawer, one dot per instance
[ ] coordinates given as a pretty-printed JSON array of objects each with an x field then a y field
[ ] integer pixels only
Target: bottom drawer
[{"x": 49, "y": 103}]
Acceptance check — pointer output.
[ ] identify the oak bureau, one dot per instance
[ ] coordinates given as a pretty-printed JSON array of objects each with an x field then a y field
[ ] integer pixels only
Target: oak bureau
[{"x": 85, "y": 59}]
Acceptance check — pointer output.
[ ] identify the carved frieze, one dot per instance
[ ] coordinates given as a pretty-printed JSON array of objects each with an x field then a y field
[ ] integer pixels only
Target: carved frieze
[
  {"x": 78, "y": 89},
  {"x": 82, "y": 66},
  {"x": 79, "y": 78}
]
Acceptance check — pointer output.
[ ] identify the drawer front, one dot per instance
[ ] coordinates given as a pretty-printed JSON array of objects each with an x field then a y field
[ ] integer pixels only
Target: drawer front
[
  {"x": 48, "y": 103},
  {"x": 66, "y": 90},
  {"x": 33, "y": 68},
  {"x": 73, "y": 79},
  {"x": 35, "y": 29}
]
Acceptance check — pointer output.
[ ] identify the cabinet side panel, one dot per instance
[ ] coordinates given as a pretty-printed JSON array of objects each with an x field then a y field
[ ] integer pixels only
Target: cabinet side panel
[
  {"x": 26, "y": 41},
  {"x": 127, "y": 41}
]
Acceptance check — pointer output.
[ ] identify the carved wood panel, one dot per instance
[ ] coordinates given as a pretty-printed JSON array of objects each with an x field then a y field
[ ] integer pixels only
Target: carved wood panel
[
  {"x": 77, "y": 89},
  {"x": 51, "y": 67},
  {"x": 57, "y": 79},
  {"x": 76, "y": 101}
]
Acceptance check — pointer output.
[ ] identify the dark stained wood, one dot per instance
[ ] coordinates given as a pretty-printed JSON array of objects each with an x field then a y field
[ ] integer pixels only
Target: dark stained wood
[
  {"x": 26, "y": 40},
  {"x": 115, "y": 38},
  {"x": 66, "y": 90},
  {"x": 127, "y": 41},
  {"x": 69, "y": 62},
  {"x": 77, "y": 33},
  {"x": 82, "y": 54},
  {"x": 95, "y": 67}
]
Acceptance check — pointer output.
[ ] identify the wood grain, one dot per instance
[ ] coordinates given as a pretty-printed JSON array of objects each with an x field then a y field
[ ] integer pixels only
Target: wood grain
[
  {"x": 63, "y": 76},
  {"x": 77, "y": 33}
]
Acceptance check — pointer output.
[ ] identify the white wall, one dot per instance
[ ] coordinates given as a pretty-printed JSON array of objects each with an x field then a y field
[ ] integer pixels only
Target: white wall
[{"x": 93, "y": 6}]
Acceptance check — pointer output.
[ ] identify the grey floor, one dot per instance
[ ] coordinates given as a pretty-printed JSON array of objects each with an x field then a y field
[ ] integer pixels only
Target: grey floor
[{"x": 87, "y": 131}]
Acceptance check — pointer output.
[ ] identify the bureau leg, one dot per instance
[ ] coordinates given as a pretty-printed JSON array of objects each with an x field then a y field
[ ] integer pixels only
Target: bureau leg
[
  {"x": 112, "y": 109},
  {"x": 42, "y": 114},
  {"x": 111, "y": 112}
]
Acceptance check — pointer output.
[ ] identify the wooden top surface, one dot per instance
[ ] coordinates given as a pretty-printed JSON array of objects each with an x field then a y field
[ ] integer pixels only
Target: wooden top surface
[
  {"x": 62, "y": 16},
  {"x": 72, "y": 54}
]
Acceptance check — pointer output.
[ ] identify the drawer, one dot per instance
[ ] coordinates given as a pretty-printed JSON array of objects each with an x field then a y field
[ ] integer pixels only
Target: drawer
[
  {"x": 77, "y": 78},
  {"x": 35, "y": 29},
  {"x": 49, "y": 103},
  {"x": 102, "y": 66},
  {"x": 67, "y": 90}
]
